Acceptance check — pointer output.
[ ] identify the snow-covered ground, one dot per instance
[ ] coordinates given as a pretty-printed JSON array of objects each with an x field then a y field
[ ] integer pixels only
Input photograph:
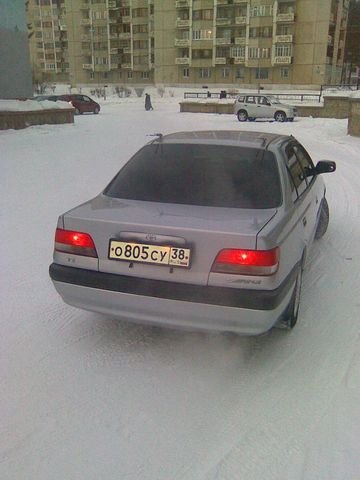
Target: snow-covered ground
[{"x": 85, "y": 397}]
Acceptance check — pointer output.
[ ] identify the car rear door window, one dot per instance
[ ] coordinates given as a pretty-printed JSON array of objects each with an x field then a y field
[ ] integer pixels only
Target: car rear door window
[
  {"x": 208, "y": 175},
  {"x": 250, "y": 99},
  {"x": 296, "y": 172},
  {"x": 304, "y": 159},
  {"x": 263, "y": 101}
]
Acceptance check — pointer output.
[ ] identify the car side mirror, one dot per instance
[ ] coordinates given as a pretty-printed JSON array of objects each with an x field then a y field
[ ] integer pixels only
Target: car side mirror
[{"x": 324, "y": 166}]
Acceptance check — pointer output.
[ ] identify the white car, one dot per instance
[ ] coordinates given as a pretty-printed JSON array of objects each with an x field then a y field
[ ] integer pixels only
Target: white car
[
  {"x": 206, "y": 230},
  {"x": 251, "y": 107}
]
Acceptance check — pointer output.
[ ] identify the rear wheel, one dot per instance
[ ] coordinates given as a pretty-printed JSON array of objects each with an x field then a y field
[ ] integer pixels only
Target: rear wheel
[
  {"x": 280, "y": 116},
  {"x": 290, "y": 316},
  {"x": 96, "y": 110},
  {"x": 77, "y": 111},
  {"x": 242, "y": 115},
  {"x": 323, "y": 220}
]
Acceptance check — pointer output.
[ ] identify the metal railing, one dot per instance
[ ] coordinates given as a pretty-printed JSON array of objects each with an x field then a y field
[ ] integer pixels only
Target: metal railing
[
  {"x": 301, "y": 97},
  {"x": 346, "y": 87}
]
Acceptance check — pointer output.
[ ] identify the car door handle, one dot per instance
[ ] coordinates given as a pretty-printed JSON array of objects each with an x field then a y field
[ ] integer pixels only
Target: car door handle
[{"x": 304, "y": 220}]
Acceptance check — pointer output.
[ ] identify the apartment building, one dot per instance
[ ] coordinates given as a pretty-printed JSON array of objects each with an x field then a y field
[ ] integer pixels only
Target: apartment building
[{"x": 188, "y": 42}]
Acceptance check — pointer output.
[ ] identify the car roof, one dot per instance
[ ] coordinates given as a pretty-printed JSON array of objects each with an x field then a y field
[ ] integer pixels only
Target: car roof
[{"x": 237, "y": 138}]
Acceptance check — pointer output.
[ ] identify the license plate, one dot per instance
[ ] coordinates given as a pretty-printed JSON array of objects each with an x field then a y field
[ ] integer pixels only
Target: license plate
[{"x": 154, "y": 254}]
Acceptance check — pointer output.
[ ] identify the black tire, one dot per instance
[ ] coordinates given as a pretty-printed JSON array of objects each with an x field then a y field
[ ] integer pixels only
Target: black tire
[
  {"x": 290, "y": 119},
  {"x": 290, "y": 316},
  {"x": 280, "y": 116},
  {"x": 323, "y": 220},
  {"x": 242, "y": 115},
  {"x": 96, "y": 110},
  {"x": 252, "y": 119},
  {"x": 77, "y": 111}
]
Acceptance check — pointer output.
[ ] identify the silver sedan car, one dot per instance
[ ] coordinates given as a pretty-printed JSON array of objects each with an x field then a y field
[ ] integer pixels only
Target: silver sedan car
[{"x": 203, "y": 230}]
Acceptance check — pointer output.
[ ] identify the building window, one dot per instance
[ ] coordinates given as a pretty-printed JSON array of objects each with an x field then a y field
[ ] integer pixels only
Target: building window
[
  {"x": 255, "y": 52},
  {"x": 205, "y": 73},
  {"x": 261, "y": 11},
  {"x": 120, "y": 74},
  {"x": 204, "y": 53},
  {"x": 145, "y": 75},
  {"x": 225, "y": 73},
  {"x": 238, "y": 52},
  {"x": 283, "y": 50},
  {"x": 202, "y": 34},
  {"x": 92, "y": 75},
  {"x": 105, "y": 74},
  {"x": 262, "y": 73},
  {"x": 140, "y": 28},
  {"x": 129, "y": 74},
  {"x": 284, "y": 72},
  {"x": 186, "y": 72},
  {"x": 240, "y": 73},
  {"x": 203, "y": 14}
]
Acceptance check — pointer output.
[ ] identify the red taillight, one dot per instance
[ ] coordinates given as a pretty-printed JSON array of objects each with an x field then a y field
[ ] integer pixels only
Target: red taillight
[
  {"x": 77, "y": 243},
  {"x": 247, "y": 262}
]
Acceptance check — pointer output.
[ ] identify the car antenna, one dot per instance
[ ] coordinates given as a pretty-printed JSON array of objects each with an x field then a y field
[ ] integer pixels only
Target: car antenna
[{"x": 159, "y": 135}]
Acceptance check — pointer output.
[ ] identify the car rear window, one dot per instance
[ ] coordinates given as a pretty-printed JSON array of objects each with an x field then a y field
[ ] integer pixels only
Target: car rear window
[{"x": 208, "y": 175}]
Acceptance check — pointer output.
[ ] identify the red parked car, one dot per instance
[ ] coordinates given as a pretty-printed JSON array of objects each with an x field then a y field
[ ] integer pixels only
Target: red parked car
[{"x": 81, "y": 103}]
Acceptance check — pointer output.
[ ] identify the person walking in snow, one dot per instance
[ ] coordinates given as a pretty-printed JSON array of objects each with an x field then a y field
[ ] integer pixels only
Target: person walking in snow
[{"x": 148, "y": 105}]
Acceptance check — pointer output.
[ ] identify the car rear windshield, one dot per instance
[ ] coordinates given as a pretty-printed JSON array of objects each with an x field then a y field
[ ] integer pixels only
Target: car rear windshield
[{"x": 208, "y": 175}]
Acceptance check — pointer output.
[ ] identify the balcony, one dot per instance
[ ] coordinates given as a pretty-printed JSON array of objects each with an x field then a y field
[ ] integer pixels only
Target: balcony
[
  {"x": 237, "y": 2},
  {"x": 240, "y": 40},
  {"x": 220, "y": 60},
  {"x": 182, "y": 61},
  {"x": 182, "y": 23},
  {"x": 113, "y": 36},
  {"x": 85, "y": 21},
  {"x": 112, "y": 4},
  {"x": 285, "y": 17},
  {"x": 126, "y": 19},
  {"x": 114, "y": 50},
  {"x": 126, "y": 65},
  {"x": 101, "y": 67},
  {"x": 283, "y": 38},
  {"x": 113, "y": 20},
  {"x": 223, "y": 41},
  {"x": 239, "y": 60},
  {"x": 124, "y": 35},
  {"x": 282, "y": 60},
  {"x": 223, "y": 21},
  {"x": 114, "y": 65},
  {"x": 222, "y": 2},
  {"x": 87, "y": 66},
  {"x": 99, "y": 22},
  {"x": 241, "y": 20},
  {"x": 126, "y": 49},
  {"x": 182, "y": 3},
  {"x": 182, "y": 42}
]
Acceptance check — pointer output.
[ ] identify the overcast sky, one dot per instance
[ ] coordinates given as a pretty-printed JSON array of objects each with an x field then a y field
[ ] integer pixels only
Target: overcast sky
[{"x": 12, "y": 14}]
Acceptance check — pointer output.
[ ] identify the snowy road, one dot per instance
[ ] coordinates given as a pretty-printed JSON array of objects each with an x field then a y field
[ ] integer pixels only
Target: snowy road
[{"x": 85, "y": 397}]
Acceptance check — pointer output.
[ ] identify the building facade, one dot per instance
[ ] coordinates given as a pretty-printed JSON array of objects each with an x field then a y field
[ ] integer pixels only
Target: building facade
[
  {"x": 188, "y": 42},
  {"x": 15, "y": 74}
]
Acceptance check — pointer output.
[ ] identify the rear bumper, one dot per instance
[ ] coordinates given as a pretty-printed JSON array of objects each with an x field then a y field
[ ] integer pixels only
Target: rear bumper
[{"x": 248, "y": 312}]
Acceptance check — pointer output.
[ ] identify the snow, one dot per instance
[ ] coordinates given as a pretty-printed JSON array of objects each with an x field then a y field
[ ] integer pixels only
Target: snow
[
  {"x": 85, "y": 397},
  {"x": 30, "y": 105}
]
